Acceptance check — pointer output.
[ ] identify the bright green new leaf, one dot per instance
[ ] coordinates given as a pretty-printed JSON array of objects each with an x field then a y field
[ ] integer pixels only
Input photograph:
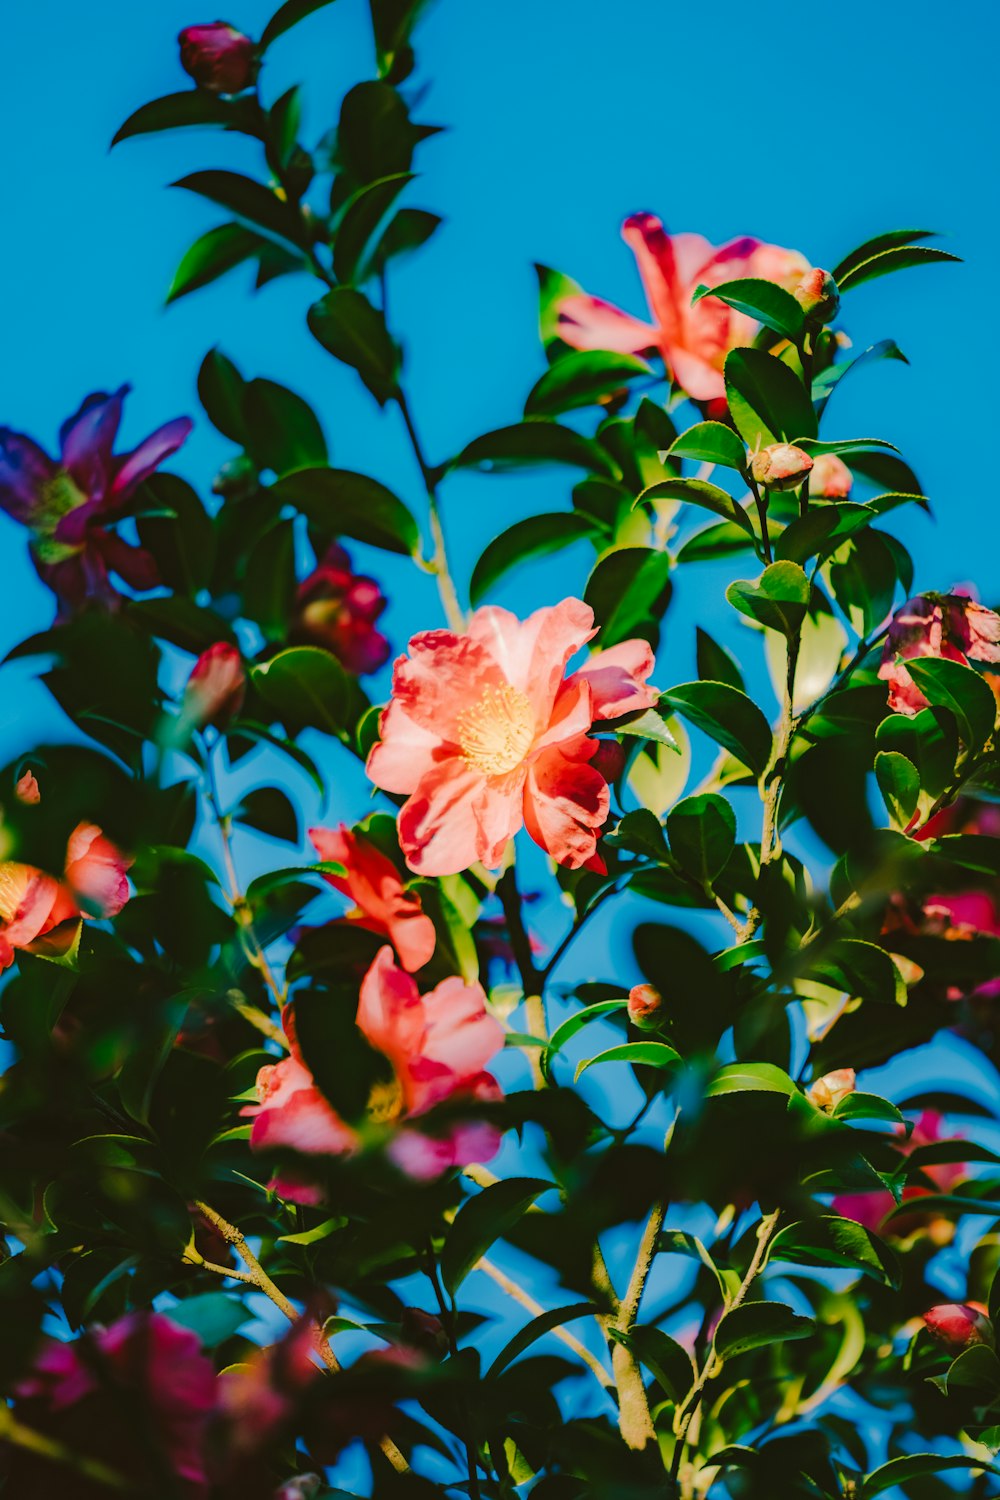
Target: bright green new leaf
[
  {"x": 778, "y": 600},
  {"x": 769, "y": 303}
]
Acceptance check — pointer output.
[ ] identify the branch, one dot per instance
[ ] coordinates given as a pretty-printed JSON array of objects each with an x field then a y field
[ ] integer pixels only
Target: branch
[{"x": 518, "y": 1294}]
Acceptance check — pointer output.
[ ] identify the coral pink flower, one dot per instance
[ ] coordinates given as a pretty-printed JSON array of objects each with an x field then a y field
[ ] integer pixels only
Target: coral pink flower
[
  {"x": 32, "y": 903},
  {"x": 870, "y": 1209},
  {"x": 945, "y": 625},
  {"x": 485, "y": 735},
  {"x": 381, "y": 902},
  {"x": 95, "y": 871},
  {"x": 694, "y": 340},
  {"x": 438, "y": 1045},
  {"x": 337, "y": 609},
  {"x": 216, "y": 687}
]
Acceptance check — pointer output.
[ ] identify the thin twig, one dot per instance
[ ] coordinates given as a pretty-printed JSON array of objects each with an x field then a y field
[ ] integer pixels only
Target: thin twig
[
  {"x": 518, "y": 1294},
  {"x": 439, "y": 557},
  {"x": 532, "y": 982}
]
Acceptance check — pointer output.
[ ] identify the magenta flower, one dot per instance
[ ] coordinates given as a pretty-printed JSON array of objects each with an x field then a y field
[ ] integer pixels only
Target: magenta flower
[
  {"x": 337, "y": 609},
  {"x": 218, "y": 57},
  {"x": 69, "y": 504},
  {"x": 946, "y": 625}
]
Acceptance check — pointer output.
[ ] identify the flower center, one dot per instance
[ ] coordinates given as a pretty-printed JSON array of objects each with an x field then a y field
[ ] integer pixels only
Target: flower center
[
  {"x": 385, "y": 1102},
  {"x": 496, "y": 733}
]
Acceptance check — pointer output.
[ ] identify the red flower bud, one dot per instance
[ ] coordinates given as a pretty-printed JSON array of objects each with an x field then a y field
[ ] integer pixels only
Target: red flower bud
[
  {"x": 645, "y": 1006},
  {"x": 818, "y": 296},
  {"x": 958, "y": 1325},
  {"x": 827, "y": 1092},
  {"x": 27, "y": 791},
  {"x": 218, "y": 57},
  {"x": 780, "y": 466},
  {"x": 830, "y": 479},
  {"x": 217, "y": 686},
  {"x": 609, "y": 759}
]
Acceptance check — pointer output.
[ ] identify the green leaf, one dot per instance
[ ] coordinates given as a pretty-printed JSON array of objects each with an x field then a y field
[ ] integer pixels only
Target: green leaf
[
  {"x": 864, "y": 971},
  {"x": 712, "y": 443},
  {"x": 488, "y": 1216},
  {"x": 859, "y": 1106},
  {"x": 581, "y": 1018},
  {"x": 283, "y": 431},
  {"x": 753, "y": 1325},
  {"x": 952, "y": 685},
  {"x": 346, "y": 504},
  {"x": 699, "y": 492},
  {"x": 285, "y": 17},
  {"x": 833, "y": 1241},
  {"x": 822, "y": 530},
  {"x": 815, "y": 447},
  {"x": 305, "y": 686},
  {"x": 899, "y": 782},
  {"x": 249, "y": 200},
  {"x": 767, "y": 401},
  {"x": 270, "y": 811},
  {"x": 915, "y": 1466},
  {"x": 535, "y": 536},
  {"x": 353, "y": 331},
  {"x": 406, "y": 231},
  {"x": 316, "y": 1235},
  {"x": 535, "y": 441},
  {"x": 899, "y": 258},
  {"x": 879, "y": 242},
  {"x": 727, "y": 716},
  {"x": 778, "y": 600},
  {"x": 715, "y": 663},
  {"x": 628, "y": 588},
  {"x": 220, "y": 390},
  {"x": 581, "y": 378},
  {"x": 211, "y": 256},
  {"x": 702, "y": 833},
  {"x": 827, "y": 381},
  {"x": 652, "y": 725},
  {"x": 769, "y": 303},
  {"x": 362, "y": 216},
  {"x": 649, "y": 1054},
  {"x": 192, "y": 107},
  {"x": 741, "y": 1077},
  {"x": 973, "y": 851},
  {"x": 536, "y": 1329},
  {"x": 666, "y": 1360},
  {"x": 213, "y": 1316}
]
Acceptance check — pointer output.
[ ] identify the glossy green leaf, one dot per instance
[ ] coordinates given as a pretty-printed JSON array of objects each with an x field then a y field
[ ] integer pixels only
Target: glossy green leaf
[
  {"x": 702, "y": 834},
  {"x": 362, "y": 215},
  {"x": 877, "y": 244},
  {"x": 221, "y": 389},
  {"x": 767, "y": 400},
  {"x": 757, "y": 1077},
  {"x": 535, "y": 536},
  {"x": 822, "y": 530},
  {"x": 648, "y": 1054},
  {"x": 285, "y": 17},
  {"x": 213, "y": 1316},
  {"x": 952, "y": 685},
  {"x": 580, "y": 1019},
  {"x": 726, "y": 539},
  {"x": 305, "y": 686},
  {"x": 211, "y": 256},
  {"x": 249, "y": 200},
  {"x": 667, "y": 1361},
  {"x": 860, "y": 969},
  {"x": 270, "y": 811},
  {"x": 754, "y": 1325},
  {"x": 828, "y": 380},
  {"x": 483, "y": 1219},
  {"x": 628, "y": 588},
  {"x": 353, "y": 331},
  {"x": 972, "y": 851},
  {"x": 769, "y": 303},
  {"x": 652, "y": 725},
  {"x": 899, "y": 782},
  {"x": 346, "y": 504},
  {"x": 407, "y": 230},
  {"x": 702, "y": 493},
  {"x": 715, "y": 663},
  {"x": 727, "y": 716},
  {"x": 817, "y": 446},
  {"x": 778, "y": 600},
  {"x": 712, "y": 443},
  {"x": 283, "y": 432},
  {"x": 830, "y": 1240},
  {"x": 190, "y": 107},
  {"x": 916, "y": 1466},
  {"x": 898, "y": 258},
  {"x": 861, "y": 1106},
  {"x": 583, "y": 377},
  {"x": 538, "y": 1327},
  {"x": 535, "y": 441}
]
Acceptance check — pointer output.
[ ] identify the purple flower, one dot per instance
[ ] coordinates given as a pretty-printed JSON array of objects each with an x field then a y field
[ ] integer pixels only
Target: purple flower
[{"x": 69, "y": 504}]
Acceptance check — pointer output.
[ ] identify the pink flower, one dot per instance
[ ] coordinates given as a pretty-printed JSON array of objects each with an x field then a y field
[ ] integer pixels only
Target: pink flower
[
  {"x": 827, "y": 1092},
  {"x": 484, "y": 734},
  {"x": 693, "y": 339},
  {"x": 75, "y": 1391},
  {"x": 381, "y": 902},
  {"x": 870, "y": 1209},
  {"x": 96, "y": 872},
  {"x": 33, "y": 904},
  {"x": 438, "y": 1045},
  {"x": 218, "y": 57},
  {"x": 26, "y": 790},
  {"x": 830, "y": 479},
  {"x": 337, "y": 609},
  {"x": 645, "y": 1007},
  {"x": 944, "y": 625},
  {"x": 959, "y": 1325},
  {"x": 216, "y": 687},
  {"x": 260, "y": 1397}
]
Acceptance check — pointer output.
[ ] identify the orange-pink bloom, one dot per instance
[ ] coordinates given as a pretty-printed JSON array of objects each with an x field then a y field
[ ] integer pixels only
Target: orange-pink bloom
[
  {"x": 438, "y": 1044},
  {"x": 485, "y": 734},
  {"x": 33, "y": 904},
  {"x": 382, "y": 903},
  {"x": 217, "y": 686},
  {"x": 693, "y": 339}
]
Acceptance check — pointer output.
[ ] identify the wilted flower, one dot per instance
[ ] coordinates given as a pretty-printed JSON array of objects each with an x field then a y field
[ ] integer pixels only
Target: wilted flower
[
  {"x": 827, "y": 1092},
  {"x": 830, "y": 478},
  {"x": 959, "y": 1325},
  {"x": 26, "y": 790},
  {"x": 337, "y": 608},
  {"x": 944, "y": 625},
  {"x": 381, "y": 902},
  {"x": 216, "y": 687},
  {"x": 780, "y": 466},
  {"x": 33, "y": 904},
  {"x": 645, "y": 1006},
  {"x": 485, "y": 735},
  {"x": 693, "y": 339},
  {"x": 68, "y": 505},
  {"x": 818, "y": 295},
  {"x": 218, "y": 57}
]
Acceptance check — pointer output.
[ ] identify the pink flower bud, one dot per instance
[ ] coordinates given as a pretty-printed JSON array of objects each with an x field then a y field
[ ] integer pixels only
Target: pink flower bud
[
  {"x": 780, "y": 466},
  {"x": 827, "y": 1092},
  {"x": 218, "y": 57},
  {"x": 645, "y": 1006},
  {"x": 958, "y": 1325},
  {"x": 830, "y": 479},
  {"x": 818, "y": 296},
  {"x": 422, "y": 1330},
  {"x": 217, "y": 686},
  {"x": 609, "y": 759},
  {"x": 27, "y": 791}
]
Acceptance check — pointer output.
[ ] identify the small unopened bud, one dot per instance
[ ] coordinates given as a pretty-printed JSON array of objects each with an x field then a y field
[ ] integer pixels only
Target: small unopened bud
[
  {"x": 645, "y": 1007},
  {"x": 302, "y": 1487},
  {"x": 830, "y": 479},
  {"x": 218, "y": 57},
  {"x": 27, "y": 791},
  {"x": 780, "y": 466},
  {"x": 959, "y": 1325},
  {"x": 424, "y": 1330},
  {"x": 216, "y": 688},
  {"x": 818, "y": 296},
  {"x": 609, "y": 758},
  {"x": 827, "y": 1092}
]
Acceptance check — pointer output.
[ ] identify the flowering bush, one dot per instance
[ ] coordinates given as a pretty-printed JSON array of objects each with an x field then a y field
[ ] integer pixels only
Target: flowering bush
[{"x": 376, "y": 1170}]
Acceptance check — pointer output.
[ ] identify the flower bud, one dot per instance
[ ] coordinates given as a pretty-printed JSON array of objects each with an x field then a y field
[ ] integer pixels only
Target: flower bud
[
  {"x": 609, "y": 759},
  {"x": 827, "y": 1092},
  {"x": 218, "y": 57},
  {"x": 959, "y": 1325},
  {"x": 830, "y": 479},
  {"x": 780, "y": 466},
  {"x": 27, "y": 791},
  {"x": 302, "y": 1487},
  {"x": 645, "y": 1007},
  {"x": 216, "y": 688},
  {"x": 818, "y": 296},
  {"x": 423, "y": 1330}
]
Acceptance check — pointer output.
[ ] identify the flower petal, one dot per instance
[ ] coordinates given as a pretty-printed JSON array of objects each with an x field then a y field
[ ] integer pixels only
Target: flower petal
[
  {"x": 565, "y": 805},
  {"x": 405, "y": 753},
  {"x": 87, "y": 439},
  {"x": 438, "y": 827},
  {"x": 95, "y": 871},
  {"x": 133, "y": 468},
  {"x": 591, "y": 323},
  {"x": 532, "y": 653},
  {"x": 25, "y": 470},
  {"x": 617, "y": 679}
]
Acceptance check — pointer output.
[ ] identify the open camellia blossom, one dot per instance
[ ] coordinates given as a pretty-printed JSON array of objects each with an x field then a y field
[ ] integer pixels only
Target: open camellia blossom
[
  {"x": 33, "y": 904},
  {"x": 382, "y": 903},
  {"x": 69, "y": 504},
  {"x": 944, "y": 625},
  {"x": 485, "y": 734},
  {"x": 438, "y": 1044},
  {"x": 693, "y": 339}
]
